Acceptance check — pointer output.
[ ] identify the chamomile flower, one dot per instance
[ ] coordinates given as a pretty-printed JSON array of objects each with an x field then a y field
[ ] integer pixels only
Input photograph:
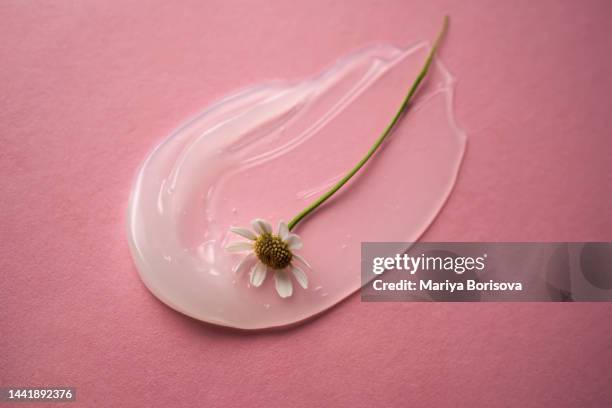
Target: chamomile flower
[
  {"x": 274, "y": 252},
  {"x": 270, "y": 253}
]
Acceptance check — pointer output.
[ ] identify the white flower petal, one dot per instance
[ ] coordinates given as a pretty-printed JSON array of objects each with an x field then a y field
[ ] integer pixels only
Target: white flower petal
[
  {"x": 244, "y": 263},
  {"x": 294, "y": 241},
  {"x": 243, "y": 232},
  {"x": 261, "y": 226},
  {"x": 284, "y": 287},
  {"x": 300, "y": 276},
  {"x": 239, "y": 247},
  {"x": 258, "y": 274},
  {"x": 302, "y": 260},
  {"x": 283, "y": 230}
]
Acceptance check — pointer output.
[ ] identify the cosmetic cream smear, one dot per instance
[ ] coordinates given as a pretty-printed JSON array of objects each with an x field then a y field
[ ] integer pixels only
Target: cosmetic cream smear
[{"x": 268, "y": 152}]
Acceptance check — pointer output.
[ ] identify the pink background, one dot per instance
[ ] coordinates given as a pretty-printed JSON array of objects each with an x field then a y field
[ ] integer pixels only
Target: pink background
[{"x": 87, "y": 88}]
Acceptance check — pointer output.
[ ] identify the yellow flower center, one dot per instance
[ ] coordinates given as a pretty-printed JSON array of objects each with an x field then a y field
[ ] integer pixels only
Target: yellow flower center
[{"x": 272, "y": 251}]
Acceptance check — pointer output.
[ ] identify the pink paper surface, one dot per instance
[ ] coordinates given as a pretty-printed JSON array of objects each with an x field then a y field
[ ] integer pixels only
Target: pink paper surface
[{"x": 89, "y": 88}]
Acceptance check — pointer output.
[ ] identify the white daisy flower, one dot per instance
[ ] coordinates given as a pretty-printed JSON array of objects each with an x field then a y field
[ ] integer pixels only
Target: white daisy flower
[
  {"x": 270, "y": 252},
  {"x": 275, "y": 251}
]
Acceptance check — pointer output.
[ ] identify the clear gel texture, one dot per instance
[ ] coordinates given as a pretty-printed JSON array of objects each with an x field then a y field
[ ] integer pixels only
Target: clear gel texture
[{"x": 269, "y": 151}]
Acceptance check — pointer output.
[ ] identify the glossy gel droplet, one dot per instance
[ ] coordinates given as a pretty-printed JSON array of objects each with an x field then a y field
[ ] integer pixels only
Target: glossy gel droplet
[{"x": 266, "y": 152}]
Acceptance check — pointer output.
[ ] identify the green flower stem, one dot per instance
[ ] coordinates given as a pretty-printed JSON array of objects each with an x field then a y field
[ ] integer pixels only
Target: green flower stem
[{"x": 403, "y": 107}]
